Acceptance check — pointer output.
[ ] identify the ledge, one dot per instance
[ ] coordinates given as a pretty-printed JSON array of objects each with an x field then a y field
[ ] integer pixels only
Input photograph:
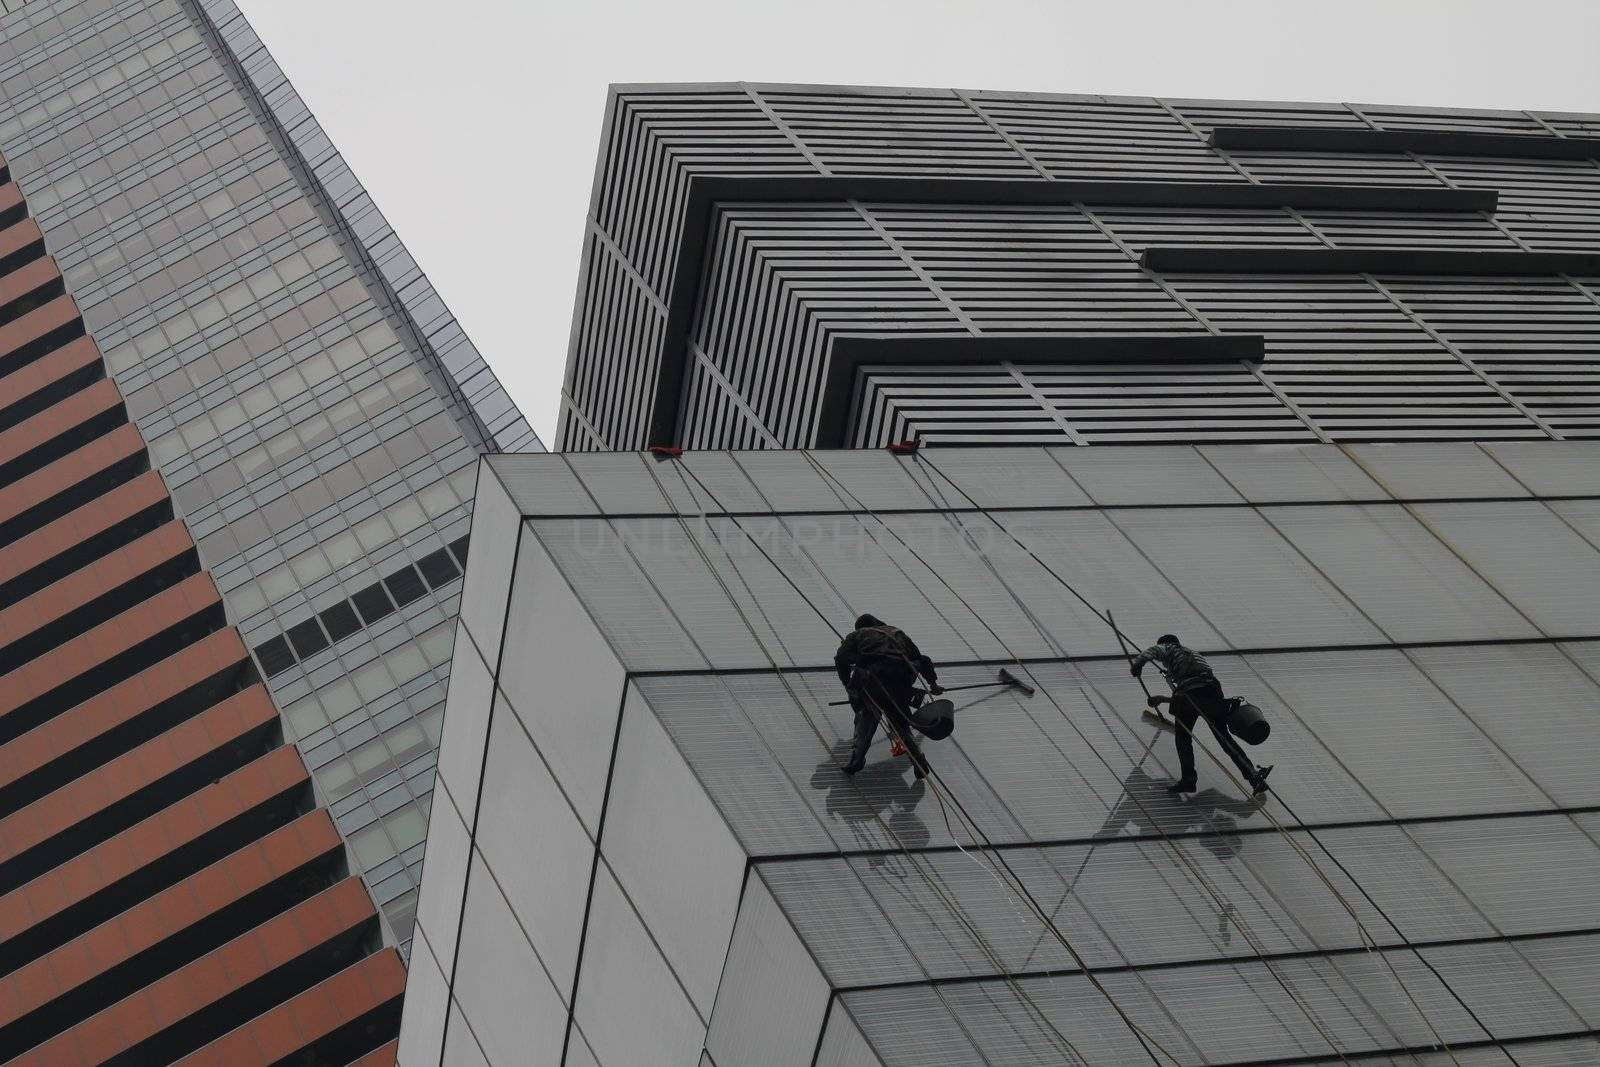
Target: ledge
[
  {"x": 1428, "y": 142},
  {"x": 849, "y": 352},
  {"x": 1004, "y": 192},
  {"x": 706, "y": 192},
  {"x": 1365, "y": 261}
]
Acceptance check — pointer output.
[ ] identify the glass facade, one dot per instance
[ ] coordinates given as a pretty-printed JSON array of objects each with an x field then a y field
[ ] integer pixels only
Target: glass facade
[
  {"x": 311, "y": 404},
  {"x": 652, "y": 645}
]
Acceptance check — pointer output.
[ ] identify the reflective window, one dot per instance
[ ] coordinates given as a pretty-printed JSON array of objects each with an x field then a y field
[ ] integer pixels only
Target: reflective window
[
  {"x": 1399, "y": 574},
  {"x": 1537, "y": 561},
  {"x": 1245, "y": 578},
  {"x": 1422, "y": 470}
]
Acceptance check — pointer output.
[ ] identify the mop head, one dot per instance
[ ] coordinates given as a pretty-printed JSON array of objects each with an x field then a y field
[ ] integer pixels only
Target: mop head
[{"x": 1007, "y": 678}]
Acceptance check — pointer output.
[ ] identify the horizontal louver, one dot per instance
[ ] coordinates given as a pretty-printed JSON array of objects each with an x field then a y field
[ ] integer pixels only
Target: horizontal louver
[{"x": 1348, "y": 357}]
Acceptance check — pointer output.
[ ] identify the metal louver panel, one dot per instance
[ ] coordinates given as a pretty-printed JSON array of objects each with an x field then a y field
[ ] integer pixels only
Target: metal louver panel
[
  {"x": 1125, "y": 140},
  {"x": 753, "y": 225},
  {"x": 1539, "y": 339},
  {"x": 1356, "y": 364},
  {"x": 900, "y": 134},
  {"x": 1550, "y": 205},
  {"x": 1088, "y": 404}
]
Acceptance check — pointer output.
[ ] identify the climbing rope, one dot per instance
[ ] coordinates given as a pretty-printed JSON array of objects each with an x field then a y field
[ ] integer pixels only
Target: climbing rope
[
  {"x": 1176, "y": 850},
  {"x": 1149, "y": 1043},
  {"x": 930, "y": 876},
  {"x": 1368, "y": 941}
]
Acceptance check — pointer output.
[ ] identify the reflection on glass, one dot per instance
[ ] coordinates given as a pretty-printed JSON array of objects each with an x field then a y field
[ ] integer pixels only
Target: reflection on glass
[{"x": 879, "y": 794}]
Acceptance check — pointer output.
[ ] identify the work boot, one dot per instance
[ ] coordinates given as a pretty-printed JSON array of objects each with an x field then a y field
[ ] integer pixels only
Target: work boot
[
  {"x": 1258, "y": 783},
  {"x": 858, "y": 760},
  {"x": 1182, "y": 785},
  {"x": 919, "y": 767}
]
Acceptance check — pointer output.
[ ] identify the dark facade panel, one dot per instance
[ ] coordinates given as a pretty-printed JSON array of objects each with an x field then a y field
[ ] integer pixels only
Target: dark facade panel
[
  {"x": 1366, "y": 261},
  {"x": 1426, "y": 142}
]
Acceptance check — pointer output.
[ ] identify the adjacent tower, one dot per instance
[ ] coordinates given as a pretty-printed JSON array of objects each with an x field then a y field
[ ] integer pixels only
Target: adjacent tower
[
  {"x": 238, "y": 437},
  {"x": 170, "y": 889},
  {"x": 308, "y": 399}
]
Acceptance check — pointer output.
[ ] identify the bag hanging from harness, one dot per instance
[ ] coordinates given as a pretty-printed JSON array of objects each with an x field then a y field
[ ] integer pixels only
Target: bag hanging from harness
[
  {"x": 1247, "y": 722},
  {"x": 935, "y": 719}
]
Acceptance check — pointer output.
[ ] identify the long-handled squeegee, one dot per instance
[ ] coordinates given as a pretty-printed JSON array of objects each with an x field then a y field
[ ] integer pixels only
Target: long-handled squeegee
[
  {"x": 1006, "y": 679},
  {"x": 1150, "y": 714}
]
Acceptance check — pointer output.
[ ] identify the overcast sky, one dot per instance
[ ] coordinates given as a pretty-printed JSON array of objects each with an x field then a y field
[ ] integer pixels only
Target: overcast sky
[{"x": 474, "y": 124}]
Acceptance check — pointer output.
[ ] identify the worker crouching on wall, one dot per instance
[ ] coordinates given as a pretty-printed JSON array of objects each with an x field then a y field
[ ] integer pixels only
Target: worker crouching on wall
[
  {"x": 879, "y": 666},
  {"x": 1196, "y": 694}
]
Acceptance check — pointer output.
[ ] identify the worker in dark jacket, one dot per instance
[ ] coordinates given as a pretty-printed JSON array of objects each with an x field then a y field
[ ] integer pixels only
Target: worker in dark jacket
[
  {"x": 1196, "y": 694},
  {"x": 879, "y": 666}
]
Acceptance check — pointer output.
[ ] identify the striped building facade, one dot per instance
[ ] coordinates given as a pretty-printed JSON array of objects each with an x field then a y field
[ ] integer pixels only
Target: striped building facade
[
  {"x": 170, "y": 890},
  {"x": 794, "y": 266}
]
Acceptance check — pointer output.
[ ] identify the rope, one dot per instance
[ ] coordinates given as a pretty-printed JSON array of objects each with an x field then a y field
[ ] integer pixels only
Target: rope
[
  {"x": 934, "y": 882},
  {"x": 1368, "y": 941},
  {"x": 1177, "y": 852},
  {"x": 944, "y": 797}
]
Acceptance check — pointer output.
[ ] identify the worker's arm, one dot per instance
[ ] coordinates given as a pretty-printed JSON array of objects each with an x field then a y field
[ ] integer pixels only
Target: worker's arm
[
  {"x": 923, "y": 664},
  {"x": 1156, "y": 654},
  {"x": 845, "y": 660}
]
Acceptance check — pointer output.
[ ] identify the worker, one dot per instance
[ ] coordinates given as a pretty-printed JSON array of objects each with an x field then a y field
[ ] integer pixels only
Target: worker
[
  {"x": 879, "y": 666},
  {"x": 1196, "y": 694}
]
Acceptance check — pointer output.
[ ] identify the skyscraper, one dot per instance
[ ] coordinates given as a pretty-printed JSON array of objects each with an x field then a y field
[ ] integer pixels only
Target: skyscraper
[
  {"x": 310, "y": 402},
  {"x": 1308, "y": 385},
  {"x": 168, "y": 886},
  {"x": 267, "y": 478}
]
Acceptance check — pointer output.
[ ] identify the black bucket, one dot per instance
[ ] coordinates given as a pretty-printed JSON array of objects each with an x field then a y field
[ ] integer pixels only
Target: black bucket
[
  {"x": 1247, "y": 723},
  {"x": 935, "y": 720}
]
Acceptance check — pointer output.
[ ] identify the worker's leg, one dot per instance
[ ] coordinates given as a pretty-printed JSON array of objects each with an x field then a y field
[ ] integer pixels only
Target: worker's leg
[
  {"x": 866, "y": 726},
  {"x": 1214, "y": 706},
  {"x": 896, "y": 700},
  {"x": 1186, "y": 715}
]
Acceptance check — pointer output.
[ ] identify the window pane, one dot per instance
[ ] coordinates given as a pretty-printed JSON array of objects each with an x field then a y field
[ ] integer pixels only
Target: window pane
[
  {"x": 1399, "y": 574},
  {"x": 1537, "y": 561},
  {"x": 1245, "y": 578}
]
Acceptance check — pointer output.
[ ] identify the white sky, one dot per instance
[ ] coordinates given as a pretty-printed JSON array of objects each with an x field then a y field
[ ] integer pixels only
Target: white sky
[{"x": 474, "y": 124}]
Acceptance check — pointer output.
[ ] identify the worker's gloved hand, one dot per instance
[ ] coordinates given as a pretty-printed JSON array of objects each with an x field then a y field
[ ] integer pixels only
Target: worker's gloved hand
[
  {"x": 1156, "y": 701},
  {"x": 1135, "y": 667},
  {"x": 935, "y": 688}
]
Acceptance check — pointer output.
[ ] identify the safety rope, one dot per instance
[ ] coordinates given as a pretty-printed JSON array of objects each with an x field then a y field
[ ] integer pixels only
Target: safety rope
[
  {"x": 1150, "y": 1044},
  {"x": 1368, "y": 941},
  {"x": 930, "y": 876},
  {"x": 1176, "y": 850}
]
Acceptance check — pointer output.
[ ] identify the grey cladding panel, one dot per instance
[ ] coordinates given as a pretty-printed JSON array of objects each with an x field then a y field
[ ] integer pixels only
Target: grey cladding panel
[{"x": 772, "y": 999}]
